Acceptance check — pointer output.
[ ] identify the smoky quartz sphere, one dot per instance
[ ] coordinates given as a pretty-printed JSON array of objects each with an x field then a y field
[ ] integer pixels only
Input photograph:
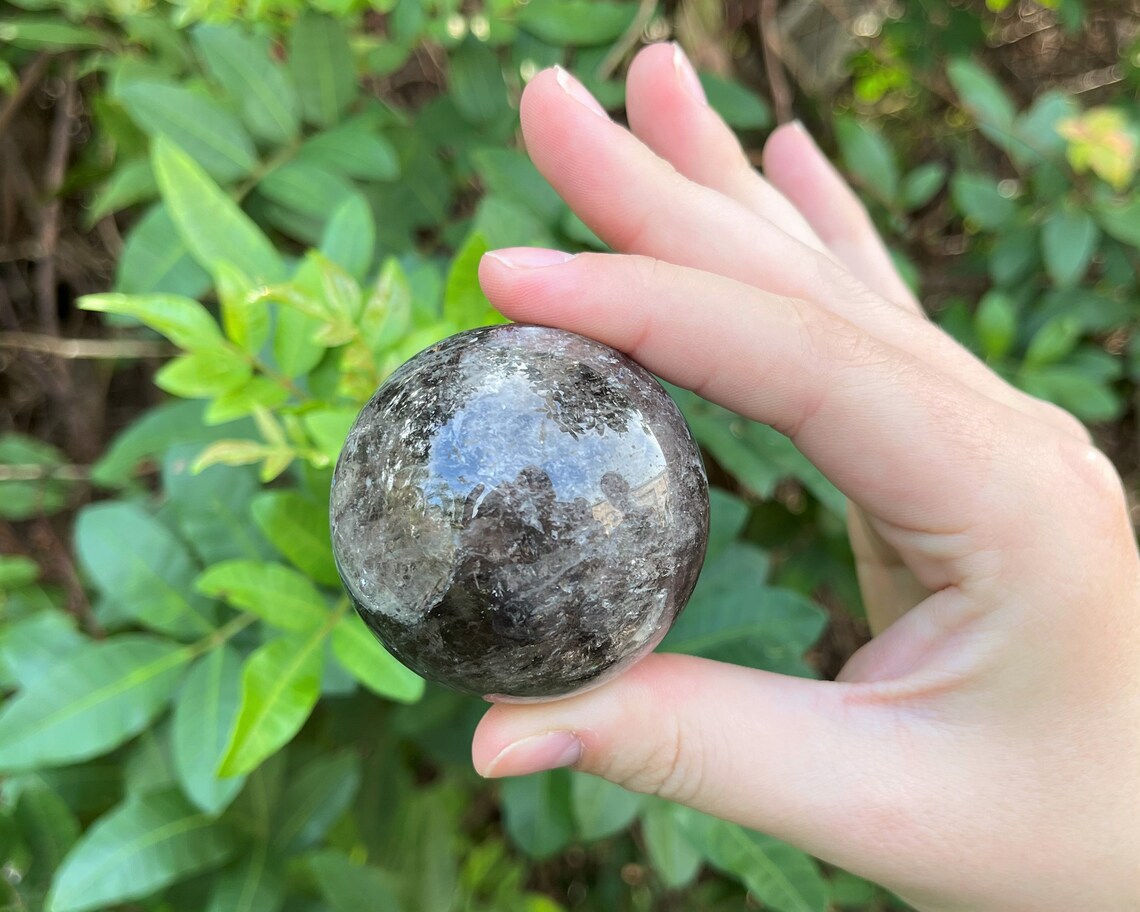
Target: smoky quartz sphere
[{"x": 519, "y": 513}]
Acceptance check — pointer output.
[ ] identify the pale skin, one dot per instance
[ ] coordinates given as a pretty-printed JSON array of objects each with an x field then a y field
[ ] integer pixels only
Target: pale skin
[{"x": 982, "y": 752}]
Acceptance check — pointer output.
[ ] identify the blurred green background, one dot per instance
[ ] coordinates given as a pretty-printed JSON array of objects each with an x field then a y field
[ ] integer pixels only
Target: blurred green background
[{"x": 222, "y": 224}]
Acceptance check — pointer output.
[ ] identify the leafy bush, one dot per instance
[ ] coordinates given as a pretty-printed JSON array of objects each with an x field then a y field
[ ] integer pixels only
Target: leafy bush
[{"x": 307, "y": 205}]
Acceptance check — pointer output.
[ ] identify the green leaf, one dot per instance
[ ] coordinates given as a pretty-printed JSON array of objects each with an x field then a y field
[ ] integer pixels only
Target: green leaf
[
  {"x": 737, "y": 105},
  {"x": 328, "y": 428},
  {"x": 1068, "y": 242},
  {"x": 1087, "y": 397},
  {"x": 143, "y": 845},
  {"x": 280, "y": 685},
  {"x": 1015, "y": 255},
  {"x": 49, "y": 34},
  {"x": 299, "y": 529},
  {"x": 320, "y": 60},
  {"x": 354, "y": 150},
  {"x": 977, "y": 197},
  {"x": 275, "y": 593},
  {"x": 371, "y": 664},
  {"x": 204, "y": 714},
  {"x": 576, "y": 22},
  {"x": 1122, "y": 221},
  {"x": 258, "y": 393},
  {"x": 920, "y": 185},
  {"x": 253, "y": 884},
  {"x": 1053, "y": 341},
  {"x": 48, "y": 827},
  {"x": 475, "y": 81},
  {"x": 781, "y": 877},
  {"x": 156, "y": 259},
  {"x": 156, "y": 431},
  {"x": 350, "y": 236},
  {"x": 150, "y": 579},
  {"x": 868, "y": 157},
  {"x": 996, "y": 324},
  {"x": 733, "y": 617},
  {"x": 464, "y": 303},
  {"x": 242, "y": 64},
  {"x": 758, "y": 456},
  {"x": 204, "y": 374},
  {"x": 245, "y": 318},
  {"x": 314, "y": 799},
  {"x": 183, "y": 321},
  {"x": 306, "y": 188},
  {"x": 350, "y": 887},
  {"x": 149, "y": 766},
  {"x": 16, "y": 571},
  {"x": 131, "y": 182},
  {"x": 511, "y": 176},
  {"x": 204, "y": 130},
  {"x": 728, "y": 514},
  {"x": 211, "y": 224},
  {"x": 981, "y": 94},
  {"x": 671, "y": 854},
  {"x": 601, "y": 809},
  {"x": 295, "y": 348},
  {"x": 536, "y": 813},
  {"x": 31, "y": 645},
  {"x": 89, "y": 702}
]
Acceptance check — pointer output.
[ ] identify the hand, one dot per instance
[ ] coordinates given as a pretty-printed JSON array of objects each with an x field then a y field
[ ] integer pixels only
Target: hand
[{"x": 983, "y": 751}]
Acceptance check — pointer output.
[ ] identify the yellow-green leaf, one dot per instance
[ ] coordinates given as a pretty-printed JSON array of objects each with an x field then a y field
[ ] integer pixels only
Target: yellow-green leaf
[
  {"x": 371, "y": 664},
  {"x": 275, "y": 593}
]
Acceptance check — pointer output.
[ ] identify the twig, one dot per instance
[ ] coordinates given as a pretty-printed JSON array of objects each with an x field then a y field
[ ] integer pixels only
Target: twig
[
  {"x": 98, "y": 349},
  {"x": 59, "y": 149},
  {"x": 37, "y": 472},
  {"x": 773, "y": 65},
  {"x": 626, "y": 42},
  {"x": 29, "y": 79}
]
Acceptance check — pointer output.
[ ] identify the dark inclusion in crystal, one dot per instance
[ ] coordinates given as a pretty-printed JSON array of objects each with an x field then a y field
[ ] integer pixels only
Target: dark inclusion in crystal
[{"x": 519, "y": 512}]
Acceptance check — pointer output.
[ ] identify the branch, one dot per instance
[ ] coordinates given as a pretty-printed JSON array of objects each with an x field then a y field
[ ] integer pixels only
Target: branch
[
  {"x": 29, "y": 79},
  {"x": 96, "y": 349},
  {"x": 773, "y": 61}
]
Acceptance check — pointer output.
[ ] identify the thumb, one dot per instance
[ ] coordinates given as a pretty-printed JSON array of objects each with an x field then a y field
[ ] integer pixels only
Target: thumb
[{"x": 796, "y": 758}]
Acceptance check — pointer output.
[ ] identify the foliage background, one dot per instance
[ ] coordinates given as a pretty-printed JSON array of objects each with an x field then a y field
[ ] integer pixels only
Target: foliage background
[{"x": 223, "y": 223}]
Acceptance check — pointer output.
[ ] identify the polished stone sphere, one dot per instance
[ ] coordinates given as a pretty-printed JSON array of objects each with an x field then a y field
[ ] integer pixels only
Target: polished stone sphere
[{"x": 519, "y": 513}]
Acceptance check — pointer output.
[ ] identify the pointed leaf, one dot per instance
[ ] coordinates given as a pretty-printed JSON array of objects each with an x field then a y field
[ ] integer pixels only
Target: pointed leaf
[
  {"x": 134, "y": 559},
  {"x": 354, "y": 150},
  {"x": 207, "y": 132},
  {"x": 275, "y": 593},
  {"x": 320, "y": 59},
  {"x": 1068, "y": 242},
  {"x": 90, "y": 702},
  {"x": 204, "y": 374},
  {"x": 673, "y": 857},
  {"x": 244, "y": 317},
  {"x": 371, "y": 664},
  {"x": 280, "y": 685},
  {"x": 350, "y": 236},
  {"x": 242, "y": 64},
  {"x": 351, "y": 887},
  {"x": 183, "y": 321},
  {"x": 299, "y": 529},
  {"x": 156, "y": 259},
  {"x": 141, "y": 846},
  {"x": 601, "y": 809},
  {"x": 253, "y": 884},
  {"x": 212, "y": 225},
  {"x": 315, "y": 797},
  {"x": 204, "y": 714},
  {"x": 536, "y": 812}
]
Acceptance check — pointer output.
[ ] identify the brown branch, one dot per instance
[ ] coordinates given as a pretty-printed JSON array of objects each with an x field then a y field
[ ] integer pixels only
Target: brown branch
[
  {"x": 29, "y": 79},
  {"x": 98, "y": 349},
  {"x": 59, "y": 150},
  {"x": 773, "y": 63}
]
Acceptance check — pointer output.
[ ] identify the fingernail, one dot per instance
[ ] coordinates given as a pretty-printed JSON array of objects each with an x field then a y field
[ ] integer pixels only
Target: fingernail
[
  {"x": 798, "y": 126},
  {"x": 688, "y": 75},
  {"x": 529, "y": 257},
  {"x": 578, "y": 92},
  {"x": 552, "y": 750}
]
